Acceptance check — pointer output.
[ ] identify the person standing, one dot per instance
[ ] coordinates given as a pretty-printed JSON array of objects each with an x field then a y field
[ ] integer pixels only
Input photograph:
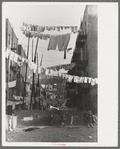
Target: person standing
[
  {"x": 51, "y": 119},
  {"x": 63, "y": 120},
  {"x": 71, "y": 120}
]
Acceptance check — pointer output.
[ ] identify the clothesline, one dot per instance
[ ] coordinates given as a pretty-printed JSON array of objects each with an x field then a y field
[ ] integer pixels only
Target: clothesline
[
  {"x": 20, "y": 60},
  {"x": 39, "y": 70},
  {"x": 70, "y": 78},
  {"x": 60, "y": 41},
  {"x": 38, "y": 28}
]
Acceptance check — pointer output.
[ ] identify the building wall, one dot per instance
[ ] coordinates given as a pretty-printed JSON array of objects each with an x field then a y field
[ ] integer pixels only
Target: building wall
[
  {"x": 85, "y": 54},
  {"x": 11, "y": 42},
  {"x": 91, "y": 27},
  {"x": 11, "y": 38}
]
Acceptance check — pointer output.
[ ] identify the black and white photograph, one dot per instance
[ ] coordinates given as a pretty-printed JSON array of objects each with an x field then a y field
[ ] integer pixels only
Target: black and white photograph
[{"x": 52, "y": 74}]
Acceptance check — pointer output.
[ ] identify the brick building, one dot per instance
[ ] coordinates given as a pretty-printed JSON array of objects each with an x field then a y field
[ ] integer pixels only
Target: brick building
[
  {"x": 85, "y": 57},
  {"x": 11, "y": 69}
]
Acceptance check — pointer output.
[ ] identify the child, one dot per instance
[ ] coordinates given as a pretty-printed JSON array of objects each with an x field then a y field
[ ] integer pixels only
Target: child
[
  {"x": 63, "y": 120},
  {"x": 89, "y": 119},
  {"x": 52, "y": 119},
  {"x": 71, "y": 120}
]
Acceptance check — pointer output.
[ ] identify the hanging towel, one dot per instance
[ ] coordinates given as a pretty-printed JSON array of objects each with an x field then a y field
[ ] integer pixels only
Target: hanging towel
[
  {"x": 81, "y": 79},
  {"x": 96, "y": 80},
  {"x": 60, "y": 41},
  {"x": 93, "y": 82},
  {"x": 45, "y": 37},
  {"x": 90, "y": 79},
  {"x": 85, "y": 79},
  {"x": 52, "y": 43}
]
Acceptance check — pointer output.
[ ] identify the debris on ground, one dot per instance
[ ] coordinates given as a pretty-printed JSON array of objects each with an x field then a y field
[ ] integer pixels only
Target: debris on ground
[{"x": 90, "y": 137}]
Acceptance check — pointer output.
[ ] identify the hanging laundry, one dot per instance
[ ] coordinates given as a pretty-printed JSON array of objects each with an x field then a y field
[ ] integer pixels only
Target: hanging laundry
[
  {"x": 48, "y": 36},
  {"x": 15, "y": 58},
  {"x": 39, "y": 70},
  {"x": 74, "y": 29},
  {"x": 40, "y": 36},
  {"x": 27, "y": 33},
  {"x": 59, "y": 74},
  {"x": 7, "y": 53},
  {"x": 63, "y": 76},
  {"x": 89, "y": 80},
  {"x": 61, "y": 27},
  {"x": 58, "y": 28},
  {"x": 76, "y": 78},
  {"x": 93, "y": 82},
  {"x": 60, "y": 41},
  {"x": 34, "y": 67},
  {"x": 52, "y": 43},
  {"x": 67, "y": 39},
  {"x": 55, "y": 73},
  {"x": 81, "y": 79},
  {"x": 48, "y": 28},
  {"x": 70, "y": 78},
  {"x": 35, "y": 34},
  {"x": 46, "y": 71},
  {"x": 96, "y": 80},
  {"x": 85, "y": 79},
  {"x": 12, "y": 84},
  {"x": 45, "y": 37},
  {"x": 31, "y": 65},
  {"x": 53, "y": 28}
]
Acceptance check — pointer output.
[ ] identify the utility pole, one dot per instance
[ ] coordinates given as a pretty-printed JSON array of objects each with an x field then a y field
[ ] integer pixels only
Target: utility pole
[
  {"x": 38, "y": 80},
  {"x": 26, "y": 72},
  {"x": 33, "y": 89}
]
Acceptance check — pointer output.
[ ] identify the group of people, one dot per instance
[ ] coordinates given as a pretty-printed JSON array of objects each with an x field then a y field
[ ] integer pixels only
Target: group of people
[
  {"x": 62, "y": 119},
  {"x": 87, "y": 116}
]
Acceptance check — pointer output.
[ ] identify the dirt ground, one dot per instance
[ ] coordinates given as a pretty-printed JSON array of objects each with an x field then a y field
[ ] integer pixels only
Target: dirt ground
[{"x": 39, "y": 130}]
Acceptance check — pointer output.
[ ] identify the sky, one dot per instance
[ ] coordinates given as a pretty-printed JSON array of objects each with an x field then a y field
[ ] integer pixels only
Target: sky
[{"x": 46, "y": 14}]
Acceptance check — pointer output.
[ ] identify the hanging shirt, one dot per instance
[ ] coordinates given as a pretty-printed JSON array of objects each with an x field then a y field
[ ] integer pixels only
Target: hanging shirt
[
  {"x": 93, "y": 82},
  {"x": 85, "y": 79},
  {"x": 67, "y": 39}
]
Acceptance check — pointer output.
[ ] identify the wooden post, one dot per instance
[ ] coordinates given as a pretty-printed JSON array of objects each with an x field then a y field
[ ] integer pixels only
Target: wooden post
[
  {"x": 32, "y": 85},
  {"x": 33, "y": 89},
  {"x": 26, "y": 73},
  {"x": 32, "y": 50},
  {"x": 38, "y": 80}
]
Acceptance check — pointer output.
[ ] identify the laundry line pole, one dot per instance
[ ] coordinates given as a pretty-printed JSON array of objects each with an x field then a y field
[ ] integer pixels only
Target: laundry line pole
[
  {"x": 26, "y": 72},
  {"x": 38, "y": 80},
  {"x": 33, "y": 89}
]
